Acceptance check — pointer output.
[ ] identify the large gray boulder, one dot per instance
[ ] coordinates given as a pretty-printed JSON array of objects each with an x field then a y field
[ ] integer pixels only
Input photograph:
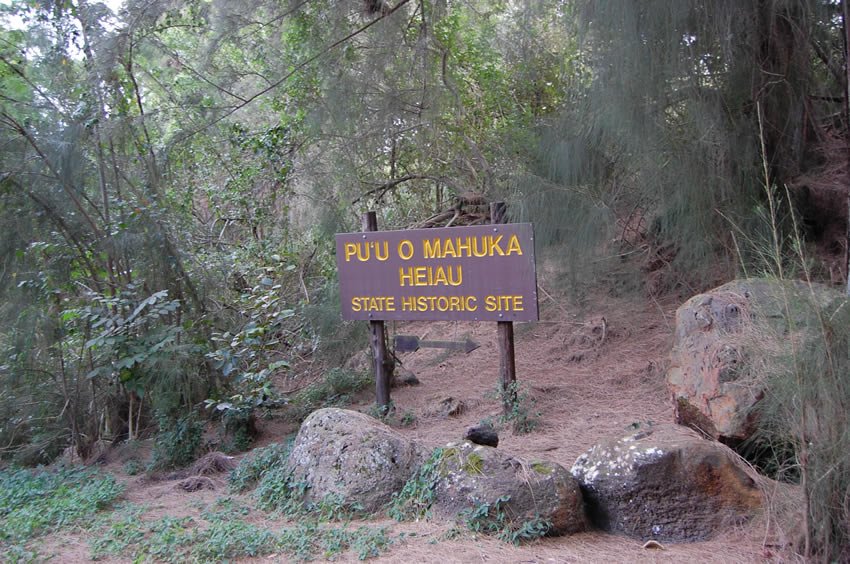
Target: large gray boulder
[
  {"x": 353, "y": 457},
  {"x": 471, "y": 476},
  {"x": 665, "y": 483},
  {"x": 722, "y": 338}
]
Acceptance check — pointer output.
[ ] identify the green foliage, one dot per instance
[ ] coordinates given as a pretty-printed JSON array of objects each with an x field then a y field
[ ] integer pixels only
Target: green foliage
[
  {"x": 130, "y": 337},
  {"x": 382, "y": 413},
  {"x": 221, "y": 535},
  {"x": 414, "y": 500},
  {"x": 277, "y": 491},
  {"x": 520, "y": 414},
  {"x": 267, "y": 471},
  {"x": 308, "y": 540},
  {"x": 132, "y": 467},
  {"x": 250, "y": 357},
  {"x": 172, "y": 539},
  {"x": 36, "y": 502},
  {"x": 408, "y": 418},
  {"x": 493, "y": 519},
  {"x": 336, "y": 388},
  {"x": 252, "y": 468},
  {"x": 803, "y": 418},
  {"x": 177, "y": 443}
]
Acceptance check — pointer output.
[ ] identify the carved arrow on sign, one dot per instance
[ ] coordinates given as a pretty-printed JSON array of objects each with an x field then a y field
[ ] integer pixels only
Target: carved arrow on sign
[{"x": 411, "y": 343}]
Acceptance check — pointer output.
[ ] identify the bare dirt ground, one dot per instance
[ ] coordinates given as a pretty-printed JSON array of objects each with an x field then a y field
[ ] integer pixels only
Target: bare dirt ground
[{"x": 589, "y": 375}]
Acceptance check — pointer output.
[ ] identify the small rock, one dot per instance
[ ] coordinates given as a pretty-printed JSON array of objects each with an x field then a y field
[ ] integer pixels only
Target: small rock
[{"x": 482, "y": 435}]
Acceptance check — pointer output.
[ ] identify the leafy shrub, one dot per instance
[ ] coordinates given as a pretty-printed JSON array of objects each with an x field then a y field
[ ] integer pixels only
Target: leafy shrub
[
  {"x": 132, "y": 467},
  {"x": 252, "y": 468},
  {"x": 416, "y": 497},
  {"x": 177, "y": 443},
  {"x": 307, "y": 540},
  {"x": 223, "y": 536}
]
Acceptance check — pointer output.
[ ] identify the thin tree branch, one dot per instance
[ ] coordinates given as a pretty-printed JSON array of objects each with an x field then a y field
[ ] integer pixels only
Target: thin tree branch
[
  {"x": 69, "y": 189},
  {"x": 298, "y": 68}
]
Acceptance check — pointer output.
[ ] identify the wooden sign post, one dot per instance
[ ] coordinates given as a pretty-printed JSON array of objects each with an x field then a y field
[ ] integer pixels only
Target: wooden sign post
[
  {"x": 505, "y": 332},
  {"x": 468, "y": 273},
  {"x": 378, "y": 339}
]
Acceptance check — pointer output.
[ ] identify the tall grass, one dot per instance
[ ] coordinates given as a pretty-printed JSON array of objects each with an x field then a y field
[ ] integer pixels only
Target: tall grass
[{"x": 800, "y": 345}]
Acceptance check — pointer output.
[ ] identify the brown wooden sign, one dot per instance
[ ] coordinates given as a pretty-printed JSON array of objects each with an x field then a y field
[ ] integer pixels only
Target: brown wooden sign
[{"x": 476, "y": 273}]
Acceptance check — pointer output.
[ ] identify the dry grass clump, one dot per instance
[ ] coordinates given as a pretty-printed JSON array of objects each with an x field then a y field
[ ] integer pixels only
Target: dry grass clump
[
  {"x": 195, "y": 483},
  {"x": 212, "y": 463}
]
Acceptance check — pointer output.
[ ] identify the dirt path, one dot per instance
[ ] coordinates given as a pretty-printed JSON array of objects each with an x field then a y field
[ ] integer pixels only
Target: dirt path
[{"x": 589, "y": 378}]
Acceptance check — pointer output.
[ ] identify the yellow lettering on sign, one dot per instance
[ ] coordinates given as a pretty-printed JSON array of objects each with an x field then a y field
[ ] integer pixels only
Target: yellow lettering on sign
[
  {"x": 503, "y": 303},
  {"x": 465, "y": 247},
  {"x": 365, "y": 251},
  {"x": 405, "y": 249},
  {"x": 373, "y": 303},
  {"x": 451, "y": 275},
  {"x": 350, "y": 249},
  {"x": 432, "y": 249},
  {"x": 513, "y": 246},
  {"x": 439, "y": 303},
  {"x": 448, "y": 249},
  {"x": 493, "y": 246},
  {"x": 386, "y": 248}
]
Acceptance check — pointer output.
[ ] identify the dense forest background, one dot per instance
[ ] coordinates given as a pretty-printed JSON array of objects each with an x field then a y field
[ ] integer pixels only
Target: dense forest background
[{"x": 172, "y": 173}]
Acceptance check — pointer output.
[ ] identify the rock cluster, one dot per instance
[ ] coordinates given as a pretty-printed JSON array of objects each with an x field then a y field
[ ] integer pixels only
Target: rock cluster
[
  {"x": 360, "y": 460},
  {"x": 661, "y": 482}
]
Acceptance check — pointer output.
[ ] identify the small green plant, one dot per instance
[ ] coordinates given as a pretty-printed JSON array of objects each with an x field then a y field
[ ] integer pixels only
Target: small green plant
[
  {"x": 382, "y": 412},
  {"x": 132, "y": 467},
  {"x": 414, "y": 500},
  {"x": 334, "y": 508},
  {"x": 277, "y": 491},
  {"x": 519, "y": 408},
  {"x": 493, "y": 519},
  {"x": 307, "y": 540},
  {"x": 226, "y": 539},
  {"x": 408, "y": 418},
  {"x": 369, "y": 542},
  {"x": 221, "y": 535},
  {"x": 173, "y": 539}
]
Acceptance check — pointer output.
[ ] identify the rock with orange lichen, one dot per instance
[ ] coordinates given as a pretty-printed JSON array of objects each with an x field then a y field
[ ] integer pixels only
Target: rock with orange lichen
[{"x": 717, "y": 344}]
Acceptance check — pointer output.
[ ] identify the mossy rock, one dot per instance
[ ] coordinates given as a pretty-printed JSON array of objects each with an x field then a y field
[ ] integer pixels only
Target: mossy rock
[{"x": 470, "y": 476}]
